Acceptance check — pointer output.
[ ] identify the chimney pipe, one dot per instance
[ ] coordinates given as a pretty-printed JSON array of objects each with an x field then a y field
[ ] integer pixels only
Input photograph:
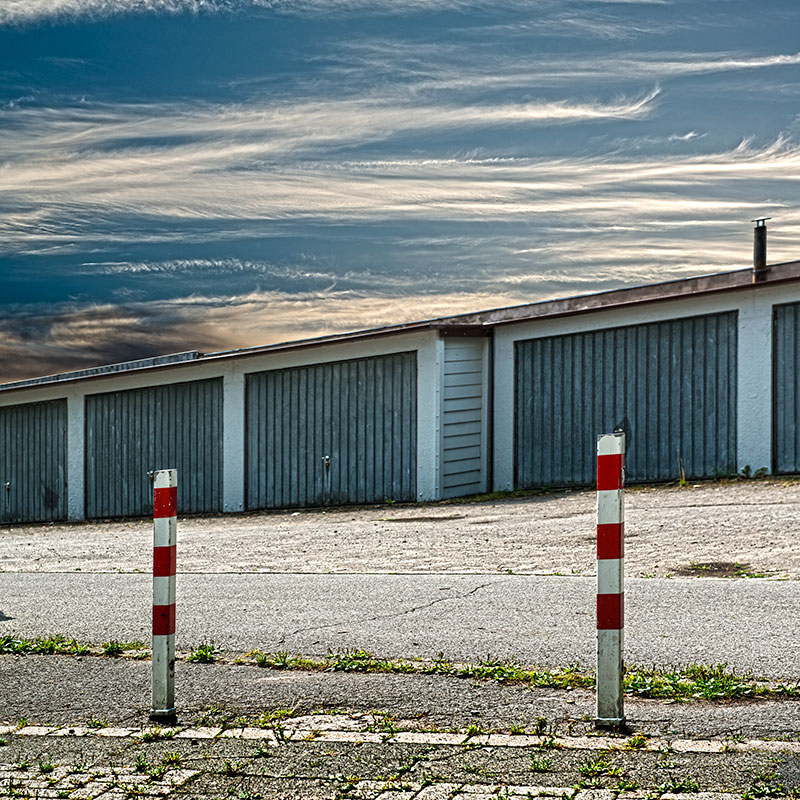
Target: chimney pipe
[{"x": 760, "y": 249}]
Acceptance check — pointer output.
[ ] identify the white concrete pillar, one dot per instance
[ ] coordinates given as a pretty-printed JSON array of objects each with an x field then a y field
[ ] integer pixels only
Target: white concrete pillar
[
  {"x": 76, "y": 459},
  {"x": 754, "y": 390},
  {"x": 233, "y": 440},
  {"x": 430, "y": 369}
]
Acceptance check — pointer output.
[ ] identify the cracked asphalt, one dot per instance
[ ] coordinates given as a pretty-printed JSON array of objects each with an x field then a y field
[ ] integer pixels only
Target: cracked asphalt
[{"x": 543, "y": 620}]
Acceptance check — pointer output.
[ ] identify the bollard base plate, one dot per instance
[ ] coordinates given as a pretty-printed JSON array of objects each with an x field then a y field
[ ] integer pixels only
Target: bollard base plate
[
  {"x": 166, "y": 716},
  {"x": 610, "y": 723}
]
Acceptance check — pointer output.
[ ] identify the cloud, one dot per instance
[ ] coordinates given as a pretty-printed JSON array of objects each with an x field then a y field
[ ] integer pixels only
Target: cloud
[
  {"x": 27, "y": 11},
  {"x": 38, "y": 340},
  {"x": 64, "y": 179},
  {"x": 430, "y": 65}
]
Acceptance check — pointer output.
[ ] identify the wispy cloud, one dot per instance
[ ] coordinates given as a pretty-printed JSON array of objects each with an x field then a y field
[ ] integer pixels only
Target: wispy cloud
[
  {"x": 68, "y": 172},
  {"x": 434, "y": 66},
  {"x": 22, "y": 11}
]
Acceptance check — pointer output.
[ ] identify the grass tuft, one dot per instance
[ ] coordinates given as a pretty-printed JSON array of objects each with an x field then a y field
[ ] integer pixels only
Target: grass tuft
[{"x": 204, "y": 653}]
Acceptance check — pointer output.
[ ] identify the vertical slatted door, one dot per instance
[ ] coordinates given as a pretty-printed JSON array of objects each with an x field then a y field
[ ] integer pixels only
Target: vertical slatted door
[
  {"x": 673, "y": 381},
  {"x": 462, "y": 417},
  {"x": 335, "y": 433},
  {"x": 33, "y": 462},
  {"x": 786, "y": 388},
  {"x": 136, "y": 431}
]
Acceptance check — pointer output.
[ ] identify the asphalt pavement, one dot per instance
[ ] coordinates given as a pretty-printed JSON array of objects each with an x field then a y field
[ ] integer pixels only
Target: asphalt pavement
[{"x": 546, "y": 621}]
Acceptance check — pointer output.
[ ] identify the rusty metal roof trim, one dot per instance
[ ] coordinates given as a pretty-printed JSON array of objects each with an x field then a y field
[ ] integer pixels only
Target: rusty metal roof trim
[{"x": 636, "y": 295}]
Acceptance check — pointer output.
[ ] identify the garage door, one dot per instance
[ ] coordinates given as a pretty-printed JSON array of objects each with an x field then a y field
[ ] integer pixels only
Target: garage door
[
  {"x": 344, "y": 432},
  {"x": 33, "y": 462},
  {"x": 131, "y": 433},
  {"x": 786, "y": 388},
  {"x": 672, "y": 384}
]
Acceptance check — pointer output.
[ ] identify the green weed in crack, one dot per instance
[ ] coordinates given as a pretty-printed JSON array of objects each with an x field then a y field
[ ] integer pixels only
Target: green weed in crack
[
  {"x": 637, "y": 742},
  {"x": 46, "y": 766},
  {"x": 156, "y": 733},
  {"x": 680, "y": 785},
  {"x": 766, "y": 784},
  {"x": 700, "y": 682},
  {"x": 598, "y": 766},
  {"x": 141, "y": 764},
  {"x": 541, "y": 764},
  {"x": 204, "y": 653}
]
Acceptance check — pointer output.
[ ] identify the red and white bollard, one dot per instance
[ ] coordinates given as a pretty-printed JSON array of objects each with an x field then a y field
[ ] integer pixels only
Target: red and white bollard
[
  {"x": 165, "y": 530},
  {"x": 610, "y": 575}
]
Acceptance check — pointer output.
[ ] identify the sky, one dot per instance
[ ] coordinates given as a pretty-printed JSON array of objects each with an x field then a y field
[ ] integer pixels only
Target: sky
[{"x": 212, "y": 174}]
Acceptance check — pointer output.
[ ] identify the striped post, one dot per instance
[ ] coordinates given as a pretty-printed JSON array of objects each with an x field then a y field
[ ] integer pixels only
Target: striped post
[
  {"x": 610, "y": 572},
  {"x": 165, "y": 528}
]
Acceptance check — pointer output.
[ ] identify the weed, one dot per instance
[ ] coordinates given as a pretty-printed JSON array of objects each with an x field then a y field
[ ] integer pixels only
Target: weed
[
  {"x": 549, "y": 743},
  {"x": 516, "y": 730},
  {"x": 589, "y": 783},
  {"x": 665, "y": 763},
  {"x": 625, "y": 785},
  {"x": 46, "y": 767},
  {"x": 42, "y": 645},
  {"x": 541, "y": 726},
  {"x": 279, "y": 732},
  {"x": 263, "y": 751},
  {"x": 700, "y": 682},
  {"x": 541, "y": 764},
  {"x": 3, "y": 742},
  {"x": 204, "y": 653},
  {"x": 363, "y": 661},
  {"x": 474, "y": 730},
  {"x": 141, "y": 764},
  {"x": 637, "y": 742},
  {"x": 96, "y": 723},
  {"x": 748, "y": 473},
  {"x": 766, "y": 784},
  {"x": 156, "y": 733},
  {"x": 382, "y": 723},
  {"x": 157, "y": 771},
  {"x": 113, "y": 648},
  {"x": 173, "y": 759},
  {"x": 229, "y": 768},
  {"x": 597, "y": 766},
  {"x": 675, "y": 785}
]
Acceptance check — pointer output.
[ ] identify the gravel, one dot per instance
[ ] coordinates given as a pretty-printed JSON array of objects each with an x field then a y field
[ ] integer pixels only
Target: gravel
[{"x": 749, "y": 527}]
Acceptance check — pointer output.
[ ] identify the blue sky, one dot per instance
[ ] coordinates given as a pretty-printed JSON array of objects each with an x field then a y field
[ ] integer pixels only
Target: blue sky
[{"x": 180, "y": 174}]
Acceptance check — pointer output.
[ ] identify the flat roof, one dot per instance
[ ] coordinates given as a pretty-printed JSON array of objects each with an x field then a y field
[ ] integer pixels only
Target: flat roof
[{"x": 470, "y": 324}]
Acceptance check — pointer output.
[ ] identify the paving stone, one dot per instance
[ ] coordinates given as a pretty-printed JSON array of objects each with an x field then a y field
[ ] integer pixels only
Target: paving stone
[
  {"x": 36, "y": 730},
  {"x": 199, "y": 733}
]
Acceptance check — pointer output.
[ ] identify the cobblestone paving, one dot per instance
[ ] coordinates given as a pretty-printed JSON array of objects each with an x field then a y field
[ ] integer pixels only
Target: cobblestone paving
[{"x": 340, "y": 757}]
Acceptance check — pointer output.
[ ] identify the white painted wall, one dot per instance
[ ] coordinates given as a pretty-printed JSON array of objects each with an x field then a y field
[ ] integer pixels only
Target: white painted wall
[
  {"x": 754, "y": 389},
  {"x": 233, "y": 370},
  {"x": 233, "y": 439},
  {"x": 754, "y": 358},
  {"x": 76, "y": 434},
  {"x": 430, "y": 364}
]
